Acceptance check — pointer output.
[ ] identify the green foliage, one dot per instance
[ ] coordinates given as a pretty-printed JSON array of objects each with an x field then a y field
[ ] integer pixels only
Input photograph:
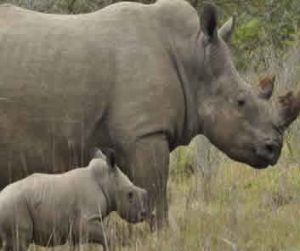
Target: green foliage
[
  {"x": 248, "y": 31},
  {"x": 262, "y": 25}
]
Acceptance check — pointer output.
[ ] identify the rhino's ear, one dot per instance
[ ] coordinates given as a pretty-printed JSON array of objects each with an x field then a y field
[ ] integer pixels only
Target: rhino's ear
[
  {"x": 266, "y": 86},
  {"x": 289, "y": 108},
  {"x": 209, "y": 21},
  {"x": 111, "y": 158},
  {"x": 226, "y": 31},
  {"x": 97, "y": 154}
]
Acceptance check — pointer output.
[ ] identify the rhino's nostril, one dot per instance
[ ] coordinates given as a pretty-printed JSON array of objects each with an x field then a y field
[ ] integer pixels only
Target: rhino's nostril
[
  {"x": 270, "y": 148},
  {"x": 268, "y": 151}
]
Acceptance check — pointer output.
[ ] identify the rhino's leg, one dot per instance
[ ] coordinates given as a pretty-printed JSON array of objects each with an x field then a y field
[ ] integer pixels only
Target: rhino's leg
[
  {"x": 94, "y": 234},
  {"x": 22, "y": 246},
  {"x": 75, "y": 247},
  {"x": 7, "y": 243},
  {"x": 148, "y": 165},
  {"x": 7, "y": 247},
  {"x": 23, "y": 231},
  {"x": 21, "y": 243},
  {"x": 12, "y": 245}
]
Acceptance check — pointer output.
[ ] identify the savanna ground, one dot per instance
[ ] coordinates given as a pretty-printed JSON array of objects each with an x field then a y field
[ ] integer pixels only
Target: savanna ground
[{"x": 215, "y": 203}]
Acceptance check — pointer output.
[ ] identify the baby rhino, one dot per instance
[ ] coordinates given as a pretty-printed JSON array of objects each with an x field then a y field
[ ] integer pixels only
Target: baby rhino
[{"x": 51, "y": 209}]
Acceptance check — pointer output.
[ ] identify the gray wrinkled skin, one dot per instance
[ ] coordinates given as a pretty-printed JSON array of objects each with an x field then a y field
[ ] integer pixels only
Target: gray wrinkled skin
[
  {"x": 50, "y": 209},
  {"x": 141, "y": 79}
]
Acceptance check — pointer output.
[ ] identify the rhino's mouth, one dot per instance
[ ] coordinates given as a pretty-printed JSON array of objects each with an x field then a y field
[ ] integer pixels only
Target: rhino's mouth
[
  {"x": 263, "y": 161},
  {"x": 137, "y": 218},
  {"x": 261, "y": 164},
  {"x": 250, "y": 157},
  {"x": 256, "y": 162}
]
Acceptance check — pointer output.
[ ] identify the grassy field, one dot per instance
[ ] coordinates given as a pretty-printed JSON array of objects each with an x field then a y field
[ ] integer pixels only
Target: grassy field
[{"x": 236, "y": 208}]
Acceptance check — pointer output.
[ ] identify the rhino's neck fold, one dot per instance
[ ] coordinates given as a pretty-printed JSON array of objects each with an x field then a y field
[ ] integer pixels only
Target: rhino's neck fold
[
  {"x": 103, "y": 181},
  {"x": 190, "y": 127},
  {"x": 109, "y": 197}
]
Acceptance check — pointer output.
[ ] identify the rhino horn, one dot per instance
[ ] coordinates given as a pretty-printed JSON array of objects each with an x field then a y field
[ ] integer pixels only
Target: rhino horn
[
  {"x": 289, "y": 107},
  {"x": 266, "y": 86}
]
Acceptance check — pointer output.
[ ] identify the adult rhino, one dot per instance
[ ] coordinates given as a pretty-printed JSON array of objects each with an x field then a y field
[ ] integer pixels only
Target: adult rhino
[{"x": 141, "y": 79}]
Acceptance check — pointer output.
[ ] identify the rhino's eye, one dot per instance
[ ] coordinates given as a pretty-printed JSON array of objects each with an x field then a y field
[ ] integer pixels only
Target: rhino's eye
[
  {"x": 130, "y": 195},
  {"x": 241, "y": 102}
]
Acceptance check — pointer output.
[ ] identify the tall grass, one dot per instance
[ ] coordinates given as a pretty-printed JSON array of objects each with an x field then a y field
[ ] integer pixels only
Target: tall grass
[{"x": 246, "y": 210}]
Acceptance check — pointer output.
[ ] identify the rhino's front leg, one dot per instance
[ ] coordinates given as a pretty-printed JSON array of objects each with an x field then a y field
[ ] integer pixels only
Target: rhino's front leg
[
  {"x": 148, "y": 167},
  {"x": 95, "y": 234}
]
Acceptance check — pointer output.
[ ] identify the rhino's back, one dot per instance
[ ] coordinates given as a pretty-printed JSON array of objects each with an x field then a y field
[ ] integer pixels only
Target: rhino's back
[
  {"x": 57, "y": 71},
  {"x": 52, "y": 58},
  {"x": 54, "y": 87},
  {"x": 152, "y": 100},
  {"x": 60, "y": 73},
  {"x": 48, "y": 52}
]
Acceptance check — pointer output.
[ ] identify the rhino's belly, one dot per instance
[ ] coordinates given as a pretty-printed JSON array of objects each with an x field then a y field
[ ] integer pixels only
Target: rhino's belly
[
  {"x": 33, "y": 142},
  {"x": 50, "y": 235}
]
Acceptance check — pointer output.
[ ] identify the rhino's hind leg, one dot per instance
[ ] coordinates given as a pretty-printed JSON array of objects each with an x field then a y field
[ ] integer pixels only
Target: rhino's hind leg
[
  {"x": 7, "y": 244},
  {"x": 148, "y": 165},
  {"x": 22, "y": 246},
  {"x": 21, "y": 235},
  {"x": 21, "y": 243},
  {"x": 11, "y": 244},
  {"x": 15, "y": 238}
]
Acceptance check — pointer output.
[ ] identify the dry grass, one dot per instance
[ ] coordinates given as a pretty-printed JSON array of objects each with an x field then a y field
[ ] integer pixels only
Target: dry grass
[{"x": 245, "y": 210}]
